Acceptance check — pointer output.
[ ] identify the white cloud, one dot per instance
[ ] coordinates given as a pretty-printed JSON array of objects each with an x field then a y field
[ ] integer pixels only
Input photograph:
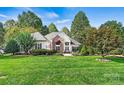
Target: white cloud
[
  {"x": 63, "y": 21},
  {"x": 4, "y": 16},
  {"x": 52, "y": 15}
]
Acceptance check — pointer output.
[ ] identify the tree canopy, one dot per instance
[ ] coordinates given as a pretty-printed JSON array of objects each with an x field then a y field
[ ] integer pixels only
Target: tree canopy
[
  {"x": 25, "y": 40},
  {"x": 10, "y": 23},
  {"x": 2, "y": 32},
  {"x": 45, "y": 30},
  {"x": 66, "y": 30},
  {"x": 12, "y": 47},
  {"x": 30, "y": 19},
  {"x": 52, "y": 28},
  {"x": 108, "y": 37},
  {"x": 78, "y": 25}
]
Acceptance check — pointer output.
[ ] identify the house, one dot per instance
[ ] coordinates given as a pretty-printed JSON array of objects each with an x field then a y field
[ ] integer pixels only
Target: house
[{"x": 58, "y": 41}]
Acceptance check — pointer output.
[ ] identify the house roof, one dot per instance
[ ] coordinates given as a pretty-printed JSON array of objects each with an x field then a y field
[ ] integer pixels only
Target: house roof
[
  {"x": 62, "y": 35},
  {"x": 38, "y": 36},
  {"x": 74, "y": 41},
  {"x": 54, "y": 34}
]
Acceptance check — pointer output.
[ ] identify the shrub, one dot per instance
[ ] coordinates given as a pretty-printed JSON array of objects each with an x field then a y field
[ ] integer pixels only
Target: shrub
[
  {"x": 84, "y": 51},
  {"x": 90, "y": 51},
  {"x": 116, "y": 52},
  {"x": 42, "y": 52},
  {"x": 75, "y": 53},
  {"x": 12, "y": 47}
]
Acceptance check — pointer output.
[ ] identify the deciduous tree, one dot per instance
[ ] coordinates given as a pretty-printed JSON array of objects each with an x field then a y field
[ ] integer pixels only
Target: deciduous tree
[
  {"x": 26, "y": 41},
  {"x": 108, "y": 37}
]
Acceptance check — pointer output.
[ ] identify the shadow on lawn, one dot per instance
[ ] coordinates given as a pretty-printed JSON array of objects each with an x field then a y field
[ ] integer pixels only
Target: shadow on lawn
[
  {"x": 12, "y": 56},
  {"x": 116, "y": 59}
]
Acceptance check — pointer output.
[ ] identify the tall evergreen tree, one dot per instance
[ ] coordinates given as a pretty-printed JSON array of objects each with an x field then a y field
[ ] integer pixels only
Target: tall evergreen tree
[
  {"x": 30, "y": 19},
  {"x": 66, "y": 30},
  {"x": 78, "y": 25},
  {"x": 45, "y": 30},
  {"x": 10, "y": 23},
  {"x": 52, "y": 28}
]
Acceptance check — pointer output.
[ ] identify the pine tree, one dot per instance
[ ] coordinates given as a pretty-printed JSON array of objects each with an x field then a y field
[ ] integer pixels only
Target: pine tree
[
  {"x": 78, "y": 25},
  {"x": 45, "y": 30},
  {"x": 66, "y": 30},
  {"x": 30, "y": 19},
  {"x": 52, "y": 28}
]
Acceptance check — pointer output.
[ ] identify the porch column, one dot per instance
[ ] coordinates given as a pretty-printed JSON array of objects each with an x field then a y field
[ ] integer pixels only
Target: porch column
[{"x": 70, "y": 47}]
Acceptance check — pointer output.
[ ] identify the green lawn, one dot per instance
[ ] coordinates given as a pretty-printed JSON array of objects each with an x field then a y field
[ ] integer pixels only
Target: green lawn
[{"x": 60, "y": 70}]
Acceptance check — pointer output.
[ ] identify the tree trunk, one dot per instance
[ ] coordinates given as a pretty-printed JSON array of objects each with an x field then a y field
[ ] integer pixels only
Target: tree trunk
[
  {"x": 26, "y": 52},
  {"x": 13, "y": 53},
  {"x": 102, "y": 54}
]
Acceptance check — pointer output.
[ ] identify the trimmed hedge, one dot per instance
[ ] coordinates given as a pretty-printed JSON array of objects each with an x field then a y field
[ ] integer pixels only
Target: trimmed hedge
[{"x": 42, "y": 52}]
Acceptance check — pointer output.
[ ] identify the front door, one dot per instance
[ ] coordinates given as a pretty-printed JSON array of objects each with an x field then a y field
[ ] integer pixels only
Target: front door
[
  {"x": 67, "y": 49},
  {"x": 57, "y": 44},
  {"x": 58, "y": 48}
]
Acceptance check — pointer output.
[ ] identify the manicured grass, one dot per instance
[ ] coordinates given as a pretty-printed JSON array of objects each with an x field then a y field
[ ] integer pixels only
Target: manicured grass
[{"x": 60, "y": 70}]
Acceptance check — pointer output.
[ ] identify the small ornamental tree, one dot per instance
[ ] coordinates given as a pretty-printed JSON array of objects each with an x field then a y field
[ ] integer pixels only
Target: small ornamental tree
[
  {"x": 26, "y": 41},
  {"x": 12, "y": 47}
]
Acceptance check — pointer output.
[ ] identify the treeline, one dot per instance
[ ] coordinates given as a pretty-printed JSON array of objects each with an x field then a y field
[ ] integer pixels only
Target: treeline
[
  {"x": 107, "y": 39},
  {"x": 26, "y": 22}
]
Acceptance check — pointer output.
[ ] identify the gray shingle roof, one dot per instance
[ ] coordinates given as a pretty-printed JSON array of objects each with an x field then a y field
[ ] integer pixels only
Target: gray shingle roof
[{"x": 38, "y": 36}]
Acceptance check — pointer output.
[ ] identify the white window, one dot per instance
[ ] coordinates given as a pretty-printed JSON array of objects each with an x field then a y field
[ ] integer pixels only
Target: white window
[
  {"x": 38, "y": 46},
  {"x": 66, "y": 43}
]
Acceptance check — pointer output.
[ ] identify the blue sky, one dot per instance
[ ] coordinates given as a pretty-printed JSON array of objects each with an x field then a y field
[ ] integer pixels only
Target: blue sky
[{"x": 63, "y": 16}]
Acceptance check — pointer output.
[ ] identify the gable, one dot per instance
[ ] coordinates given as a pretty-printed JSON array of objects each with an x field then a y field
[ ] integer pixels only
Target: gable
[
  {"x": 38, "y": 36},
  {"x": 63, "y": 36},
  {"x": 57, "y": 38}
]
